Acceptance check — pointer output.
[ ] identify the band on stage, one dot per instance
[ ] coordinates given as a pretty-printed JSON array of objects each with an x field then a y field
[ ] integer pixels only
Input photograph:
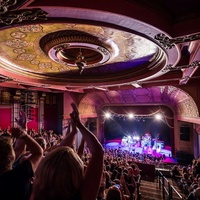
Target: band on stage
[{"x": 146, "y": 142}]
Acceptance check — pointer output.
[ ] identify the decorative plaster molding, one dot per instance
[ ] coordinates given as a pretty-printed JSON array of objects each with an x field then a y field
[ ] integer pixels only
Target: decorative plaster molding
[{"x": 169, "y": 43}]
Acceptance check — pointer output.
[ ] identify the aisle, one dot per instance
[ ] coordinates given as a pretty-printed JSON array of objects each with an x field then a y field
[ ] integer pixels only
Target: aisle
[{"x": 150, "y": 191}]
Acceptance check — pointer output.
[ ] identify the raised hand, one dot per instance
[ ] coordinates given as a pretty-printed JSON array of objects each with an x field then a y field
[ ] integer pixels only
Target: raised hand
[
  {"x": 22, "y": 121},
  {"x": 75, "y": 114}
]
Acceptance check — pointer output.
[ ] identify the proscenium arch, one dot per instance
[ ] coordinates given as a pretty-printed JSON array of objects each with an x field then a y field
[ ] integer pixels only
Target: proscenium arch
[{"x": 181, "y": 102}]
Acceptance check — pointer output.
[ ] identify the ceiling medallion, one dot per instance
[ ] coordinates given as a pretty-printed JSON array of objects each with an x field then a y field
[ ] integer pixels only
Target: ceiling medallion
[{"x": 65, "y": 47}]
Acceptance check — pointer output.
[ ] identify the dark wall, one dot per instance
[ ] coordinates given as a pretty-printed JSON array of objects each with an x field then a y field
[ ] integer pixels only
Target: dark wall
[
  {"x": 53, "y": 113},
  {"x": 185, "y": 133}
]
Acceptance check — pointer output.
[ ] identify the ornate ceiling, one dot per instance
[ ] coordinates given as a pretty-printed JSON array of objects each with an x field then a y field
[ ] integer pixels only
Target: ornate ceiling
[
  {"x": 50, "y": 51},
  {"x": 92, "y": 46},
  {"x": 180, "y": 103}
]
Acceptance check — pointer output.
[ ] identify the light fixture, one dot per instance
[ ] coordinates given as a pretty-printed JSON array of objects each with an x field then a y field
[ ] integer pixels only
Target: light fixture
[
  {"x": 107, "y": 115},
  {"x": 158, "y": 116},
  {"x": 130, "y": 115},
  {"x": 80, "y": 62}
]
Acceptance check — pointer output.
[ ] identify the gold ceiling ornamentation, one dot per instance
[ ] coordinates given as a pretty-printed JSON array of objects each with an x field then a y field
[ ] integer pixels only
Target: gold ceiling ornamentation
[
  {"x": 62, "y": 42},
  {"x": 64, "y": 46},
  {"x": 49, "y": 52}
]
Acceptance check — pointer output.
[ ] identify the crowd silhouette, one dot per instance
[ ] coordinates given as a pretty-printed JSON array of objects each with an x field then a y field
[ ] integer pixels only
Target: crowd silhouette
[{"x": 49, "y": 166}]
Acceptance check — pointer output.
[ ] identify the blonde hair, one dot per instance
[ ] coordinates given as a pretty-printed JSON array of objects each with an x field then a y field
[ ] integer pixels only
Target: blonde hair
[{"x": 59, "y": 175}]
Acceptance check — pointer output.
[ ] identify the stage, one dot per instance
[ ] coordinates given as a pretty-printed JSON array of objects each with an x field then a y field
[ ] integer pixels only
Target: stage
[{"x": 136, "y": 148}]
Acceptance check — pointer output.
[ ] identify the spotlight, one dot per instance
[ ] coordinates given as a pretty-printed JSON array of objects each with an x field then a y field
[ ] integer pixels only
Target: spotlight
[
  {"x": 107, "y": 115},
  {"x": 158, "y": 116},
  {"x": 137, "y": 138},
  {"x": 130, "y": 115}
]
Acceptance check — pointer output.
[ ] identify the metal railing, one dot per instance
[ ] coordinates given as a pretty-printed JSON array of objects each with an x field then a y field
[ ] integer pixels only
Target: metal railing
[{"x": 168, "y": 190}]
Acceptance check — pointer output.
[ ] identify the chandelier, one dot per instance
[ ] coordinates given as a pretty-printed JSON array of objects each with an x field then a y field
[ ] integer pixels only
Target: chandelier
[{"x": 80, "y": 62}]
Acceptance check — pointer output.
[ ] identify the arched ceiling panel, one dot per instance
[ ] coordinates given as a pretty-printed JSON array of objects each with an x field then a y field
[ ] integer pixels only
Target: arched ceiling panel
[{"x": 179, "y": 101}]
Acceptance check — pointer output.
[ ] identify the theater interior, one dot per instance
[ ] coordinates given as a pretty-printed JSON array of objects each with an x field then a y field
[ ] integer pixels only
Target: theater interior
[{"x": 121, "y": 56}]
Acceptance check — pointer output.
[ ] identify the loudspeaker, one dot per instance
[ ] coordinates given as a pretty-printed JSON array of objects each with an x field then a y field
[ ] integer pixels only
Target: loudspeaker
[{"x": 185, "y": 133}]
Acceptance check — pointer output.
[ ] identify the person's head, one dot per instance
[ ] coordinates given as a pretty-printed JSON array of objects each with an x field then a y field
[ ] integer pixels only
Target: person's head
[
  {"x": 130, "y": 171},
  {"x": 7, "y": 154},
  {"x": 113, "y": 193},
  {"x": 186, "y": 176},
  {"x": 42, "y": 142},
  {"x": 59, "y": 175},
  {"x": 184, "y": 169}
]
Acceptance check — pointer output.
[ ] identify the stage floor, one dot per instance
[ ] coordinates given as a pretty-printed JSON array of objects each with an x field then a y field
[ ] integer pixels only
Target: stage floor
[{"x": 138, "y": 149}]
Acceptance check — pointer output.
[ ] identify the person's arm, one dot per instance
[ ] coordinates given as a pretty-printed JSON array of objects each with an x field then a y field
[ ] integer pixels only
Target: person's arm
[
  {"x": 70, "y": 135},
  {"x": 93, "y": 172},
  {"x": 81, "y": 148},
  {"x": 19, "y": 148},
  {"x": 36, "y": 152}
]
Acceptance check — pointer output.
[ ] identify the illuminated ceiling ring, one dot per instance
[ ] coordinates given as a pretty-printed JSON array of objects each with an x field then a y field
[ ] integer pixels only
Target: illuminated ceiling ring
[
  {"x": 66, "y": 53},
  {"x": 64, "y": 46}
]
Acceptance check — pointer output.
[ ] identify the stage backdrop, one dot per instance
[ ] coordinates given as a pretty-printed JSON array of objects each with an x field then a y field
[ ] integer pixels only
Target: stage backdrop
[{"x": 118, "y": 127}]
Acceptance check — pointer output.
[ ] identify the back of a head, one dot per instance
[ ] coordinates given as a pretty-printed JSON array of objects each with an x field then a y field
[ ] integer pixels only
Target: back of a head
[
  {"x": 42, "y": 142},
  {"x": 6, "y": 154},
  {"x": 60, "y": 173},
  {"x": 113, "y": 193}
]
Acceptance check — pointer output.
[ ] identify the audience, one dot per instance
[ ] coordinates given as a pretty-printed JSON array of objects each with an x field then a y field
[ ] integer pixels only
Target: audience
[
  {"x": 114, "y": 193},
  {"x": 131, "y": 183},
  {"x": 48, "y": 166},
  {"x": 61, "y": 174},
  {"x": 15, "y": 182}
]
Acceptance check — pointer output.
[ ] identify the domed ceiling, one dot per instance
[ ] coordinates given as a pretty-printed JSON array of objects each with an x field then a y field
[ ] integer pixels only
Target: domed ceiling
[
  {"x": 58, "y": 46},
  {"x": 76, "y": 46},
  {"x": 53, "y": 51}
]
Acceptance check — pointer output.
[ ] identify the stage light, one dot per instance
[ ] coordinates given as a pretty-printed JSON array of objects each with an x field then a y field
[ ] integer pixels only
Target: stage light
[
  {"x": 130, "y": 115},
  {"x": 158, "y": 116},
  {"x": 137, "y": 138},
  {"x": 107, "y": 115}
]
